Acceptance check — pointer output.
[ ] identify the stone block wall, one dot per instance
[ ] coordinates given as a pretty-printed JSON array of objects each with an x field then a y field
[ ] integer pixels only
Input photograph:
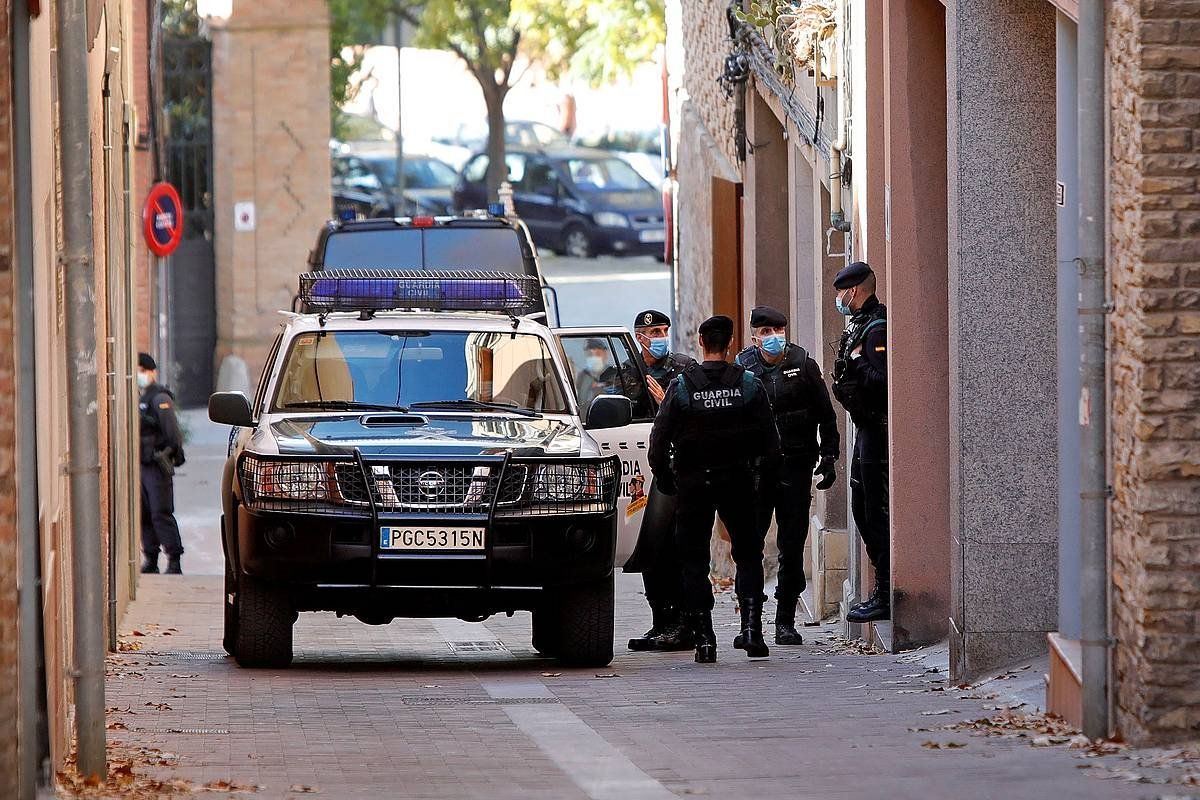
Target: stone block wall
[{"x": 1154, "y": 353}]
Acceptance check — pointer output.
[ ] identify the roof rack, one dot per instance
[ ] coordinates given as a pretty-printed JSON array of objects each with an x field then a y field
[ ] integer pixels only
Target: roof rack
[{"x": 370, "y": 290}]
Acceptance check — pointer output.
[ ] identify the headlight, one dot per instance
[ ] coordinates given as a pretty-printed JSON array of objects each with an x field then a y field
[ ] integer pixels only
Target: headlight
[
  {"x": 561, "y": 483},
  {"x": 288, "y": 480},
  {"x": 609, "y": 219}
]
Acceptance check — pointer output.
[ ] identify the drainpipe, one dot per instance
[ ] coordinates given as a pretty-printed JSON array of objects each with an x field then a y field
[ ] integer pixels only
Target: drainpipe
[
  {"x": 33, "y": 737},
  {"x": 84, "y": 459},
  {"x": 837, "y": 216},
  {"x": 1093, "y": 397}
]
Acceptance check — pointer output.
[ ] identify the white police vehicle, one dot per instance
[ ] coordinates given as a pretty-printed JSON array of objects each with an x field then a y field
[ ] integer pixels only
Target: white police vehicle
[{"x": 420, "y": 445}]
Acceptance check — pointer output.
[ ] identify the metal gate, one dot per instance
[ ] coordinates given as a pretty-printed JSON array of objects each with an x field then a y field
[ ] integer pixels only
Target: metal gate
[{"x": 191, "y": 273}]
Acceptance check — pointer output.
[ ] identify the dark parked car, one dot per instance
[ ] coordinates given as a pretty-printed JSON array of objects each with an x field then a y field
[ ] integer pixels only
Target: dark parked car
[
  {"x": 576, "y": 201},
  {"x": 428, "y": 183}
]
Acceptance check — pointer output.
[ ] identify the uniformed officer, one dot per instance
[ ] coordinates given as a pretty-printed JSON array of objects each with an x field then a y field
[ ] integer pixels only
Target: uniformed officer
[
  {"x": 860, "y": 384},
  {"x": 161, "y": 452},
  {"x": 717, "y": 423},
  {"x": 662, "y": 572},
  {"x": 802, "y": 410}
]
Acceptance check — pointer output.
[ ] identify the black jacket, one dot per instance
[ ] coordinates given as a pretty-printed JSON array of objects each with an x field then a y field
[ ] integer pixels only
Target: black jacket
[
  {"x": 860, "y": 372},
  {"x": 799, "y": 400},
  {"x": 158, "y": 426}
]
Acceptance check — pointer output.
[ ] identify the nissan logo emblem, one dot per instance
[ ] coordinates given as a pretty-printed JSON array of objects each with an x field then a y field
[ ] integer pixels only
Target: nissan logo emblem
[{"x": 431, "y": 484}]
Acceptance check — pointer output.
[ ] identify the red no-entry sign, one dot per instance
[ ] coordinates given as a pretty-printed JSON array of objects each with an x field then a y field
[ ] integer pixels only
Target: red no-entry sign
[{"x": 162, "y": 219}]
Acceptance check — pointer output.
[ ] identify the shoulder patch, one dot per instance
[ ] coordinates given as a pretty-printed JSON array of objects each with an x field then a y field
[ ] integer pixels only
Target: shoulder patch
[
  {"x": 164, "y": 405},
  {"x": 881, "y": 349}
]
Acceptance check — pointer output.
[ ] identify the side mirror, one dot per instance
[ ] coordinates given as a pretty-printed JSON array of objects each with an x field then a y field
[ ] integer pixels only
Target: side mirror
[
  {"x": 609, "y": 411},
  {"x": 230, "y": 408}
]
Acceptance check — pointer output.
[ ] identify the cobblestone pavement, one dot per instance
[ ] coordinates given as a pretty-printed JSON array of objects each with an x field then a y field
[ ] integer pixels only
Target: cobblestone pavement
[{"x": 448, "y": 709}]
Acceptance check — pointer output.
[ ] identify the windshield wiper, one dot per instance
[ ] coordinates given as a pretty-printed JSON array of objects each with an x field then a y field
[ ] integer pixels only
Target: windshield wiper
[
  {"x": 467, "y": 403},
  {"x": 345, "y": 405}
]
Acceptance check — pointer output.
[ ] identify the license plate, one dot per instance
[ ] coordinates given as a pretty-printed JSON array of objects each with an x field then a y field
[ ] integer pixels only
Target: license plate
[
  {"x": 430, "y": 537},
  {"x": 653, "y": 235}
]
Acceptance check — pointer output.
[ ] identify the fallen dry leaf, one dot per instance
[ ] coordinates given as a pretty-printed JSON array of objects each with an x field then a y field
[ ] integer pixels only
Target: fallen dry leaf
[
  {"x": 932, "y": 745},
  {"x": 607, "y": 675},
  {"x": 551, "y": 674},
  {"x": 301, "y": 789},
  {"x": 937, "y": 713}
]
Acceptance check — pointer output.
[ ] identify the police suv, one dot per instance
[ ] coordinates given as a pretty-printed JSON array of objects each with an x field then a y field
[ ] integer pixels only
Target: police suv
[{"x": 419, "y": 445}]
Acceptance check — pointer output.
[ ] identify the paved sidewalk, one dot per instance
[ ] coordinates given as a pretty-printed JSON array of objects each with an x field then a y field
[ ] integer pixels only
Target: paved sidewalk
[{"x": 448, "y": 709}]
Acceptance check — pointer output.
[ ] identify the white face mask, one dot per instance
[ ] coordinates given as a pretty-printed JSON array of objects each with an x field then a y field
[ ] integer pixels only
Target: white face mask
[
  {"x": 143, "y": 380},
  {"x": 595, "y": 364}
]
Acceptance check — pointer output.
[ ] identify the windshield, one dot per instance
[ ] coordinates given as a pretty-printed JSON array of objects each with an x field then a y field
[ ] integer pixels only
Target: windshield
[
  {"x": 458, "y": 247},
  {"x": 419, "y": 172},
  {"x": 605, "y": 175},
  {"x": 402, "y": 369}
]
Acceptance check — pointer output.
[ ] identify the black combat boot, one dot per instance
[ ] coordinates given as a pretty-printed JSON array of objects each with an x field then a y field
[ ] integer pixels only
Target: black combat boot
[
  {"x": 675, "y": 636},
  {"x": 785, "y": 622},
  {"x": 878, "y": 607},
  {"x": 873, "y": 597},
  {"x": 700, "y": 624},
  {"x": 149, "y": 563},
  {"x": 751, "y": 638},
  {"x": 173, "y": 567},
  {"x": 660, "y": 616}
]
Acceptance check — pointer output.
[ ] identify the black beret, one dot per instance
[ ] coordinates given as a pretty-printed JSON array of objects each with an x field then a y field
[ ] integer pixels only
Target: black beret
[
  {"x": 852, "y": 275},
  {"x": 767, "y": 317},
  {"x": 650, "y": 317},
  {"x": 719, "y": 323},
  {"x": 146, "y": 362}
]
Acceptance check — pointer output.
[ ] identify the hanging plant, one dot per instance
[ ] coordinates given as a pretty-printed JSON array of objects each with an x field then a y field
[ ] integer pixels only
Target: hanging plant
[{"x": 789, "y": 28}]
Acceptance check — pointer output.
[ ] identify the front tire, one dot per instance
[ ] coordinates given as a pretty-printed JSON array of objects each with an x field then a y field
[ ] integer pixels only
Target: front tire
[
  {"x": 264, "y": 615},
  {"x": 585, "y": 623},
  {"x": 576, "y": 243},
  {"x": 545, "y": 631}
]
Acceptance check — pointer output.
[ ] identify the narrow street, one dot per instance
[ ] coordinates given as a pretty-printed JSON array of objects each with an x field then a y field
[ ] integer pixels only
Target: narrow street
[{"x": 447, "y": 709}]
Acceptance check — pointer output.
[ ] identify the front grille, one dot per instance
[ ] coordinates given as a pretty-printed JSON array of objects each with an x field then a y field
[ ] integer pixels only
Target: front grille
[{"x": 434, "y": 488}]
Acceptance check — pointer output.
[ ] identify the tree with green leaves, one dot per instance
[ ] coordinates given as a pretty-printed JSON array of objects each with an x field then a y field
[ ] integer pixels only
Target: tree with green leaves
[{"x": 596, "y": 40}]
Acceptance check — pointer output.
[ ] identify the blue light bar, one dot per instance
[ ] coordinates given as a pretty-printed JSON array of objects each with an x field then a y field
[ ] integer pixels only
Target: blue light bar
[
  {"x": 389, "y": 290},
  {"x": 496, "y": 209}
]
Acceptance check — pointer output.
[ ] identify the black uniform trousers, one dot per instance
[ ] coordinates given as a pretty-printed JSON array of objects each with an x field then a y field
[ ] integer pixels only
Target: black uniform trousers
[
  {"x": 663, "y": 578},
  {"x": 869, "y": 497},
  {"x": 159, "y": 528},
  {"x": 787, "y": 493},
  {"x": 728, "y": 493}
]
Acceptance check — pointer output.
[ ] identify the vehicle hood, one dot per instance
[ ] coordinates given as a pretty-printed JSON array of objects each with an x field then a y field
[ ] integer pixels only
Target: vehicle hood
[
  {"x": 429, "y": 435},
  {"x": 649, "y": 202}
]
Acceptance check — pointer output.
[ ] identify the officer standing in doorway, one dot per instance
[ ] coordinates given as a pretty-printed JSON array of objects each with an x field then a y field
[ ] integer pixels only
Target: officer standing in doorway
[
  {"x": 860, "y": 385},
  {"x": 662, "y": 572},
  {"x": 161, "y": 452},
  {"x": 802, "y": 409},
  {"x": 716, "y": 424}
]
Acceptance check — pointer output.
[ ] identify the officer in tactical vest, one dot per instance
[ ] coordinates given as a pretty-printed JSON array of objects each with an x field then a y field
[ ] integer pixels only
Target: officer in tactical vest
[
  {"x": 860, "y": 385},
  {"x": 161, "y": 452},
  {"x": 662, "y": 572},
  {"x": 712, "y": 431},
  {"x": 802, "y": 410}
]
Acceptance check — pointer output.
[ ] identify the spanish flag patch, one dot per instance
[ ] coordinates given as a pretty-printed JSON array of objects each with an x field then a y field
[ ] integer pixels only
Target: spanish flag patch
[
  {"x": 164, "y": 405},
  {"x": 881, "y": 349}
]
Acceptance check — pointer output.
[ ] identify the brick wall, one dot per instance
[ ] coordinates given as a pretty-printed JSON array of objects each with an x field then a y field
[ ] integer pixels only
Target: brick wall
[
  {"x": 706, "y": 44},
  {"x": 1154, "y": 349},
  {"x": 8, "y": 499}
]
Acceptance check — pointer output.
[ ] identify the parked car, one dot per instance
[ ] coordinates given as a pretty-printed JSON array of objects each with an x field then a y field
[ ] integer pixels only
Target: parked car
[
  {"x": 468, "y": 139},
  {"x": 576, "y": 201},
  {"x": 420, "y": 446},
  {"x": 642, "y": 149},
  {"x": 428, "y": 182}
]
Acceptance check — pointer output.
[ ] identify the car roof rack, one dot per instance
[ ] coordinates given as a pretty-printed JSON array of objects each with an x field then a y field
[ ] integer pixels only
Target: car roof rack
[{"x": 371, "y": 290}]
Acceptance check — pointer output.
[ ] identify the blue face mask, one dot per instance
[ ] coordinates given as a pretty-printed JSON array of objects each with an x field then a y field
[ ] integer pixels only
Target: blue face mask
[
  {"x": 659, "y": 347},
  {"x": 842, "y": 307},
  {"x": 774, "y": 344}
]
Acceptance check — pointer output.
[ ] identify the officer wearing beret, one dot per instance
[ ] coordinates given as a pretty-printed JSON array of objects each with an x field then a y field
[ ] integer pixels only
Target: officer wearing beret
[
  {"x": 713, "y": 426},
  {"x": 161, "y": 451},
  {"x": 802, "y": 410},
  {"x": 662, "y": 572},
  {"x": 860, "y": 385}
]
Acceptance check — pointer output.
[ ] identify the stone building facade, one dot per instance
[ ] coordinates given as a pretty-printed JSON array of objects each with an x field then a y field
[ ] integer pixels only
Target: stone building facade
[
  {"x": 1154, "y": 263},
  {"x": 34, "y": 433}
]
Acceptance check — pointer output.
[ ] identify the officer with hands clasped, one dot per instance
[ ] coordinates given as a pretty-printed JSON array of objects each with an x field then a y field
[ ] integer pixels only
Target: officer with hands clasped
[
  {"x": 662, "y": 573},
  {"x": 802, "y": 409},
  {"x": 161, "y": 451},
  {"x": 860, "y": 385},
  {"x": 716, "y": 422}
]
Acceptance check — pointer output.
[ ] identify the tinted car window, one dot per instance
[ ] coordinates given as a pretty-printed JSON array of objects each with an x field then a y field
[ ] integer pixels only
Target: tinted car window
[
  {"x": 426, "y": 248},
  {"x": 605, "y": 175},
  {"x": 397, "y": 368}
]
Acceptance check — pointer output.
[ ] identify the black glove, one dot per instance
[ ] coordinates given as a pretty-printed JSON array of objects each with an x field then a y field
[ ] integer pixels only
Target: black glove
[
  {"x": 666, "y": 483},
  {"x": 828, "y": 472}
]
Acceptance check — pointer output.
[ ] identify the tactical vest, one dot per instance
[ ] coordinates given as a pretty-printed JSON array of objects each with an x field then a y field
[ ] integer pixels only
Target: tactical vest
[
  {"x": 717, "y": 428},
  {"x": 791, "y": 394},
  {"x": 150, "y": 432},
  {"x": 865, "y": 410},
  {"x": 668, "y": 368}
]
